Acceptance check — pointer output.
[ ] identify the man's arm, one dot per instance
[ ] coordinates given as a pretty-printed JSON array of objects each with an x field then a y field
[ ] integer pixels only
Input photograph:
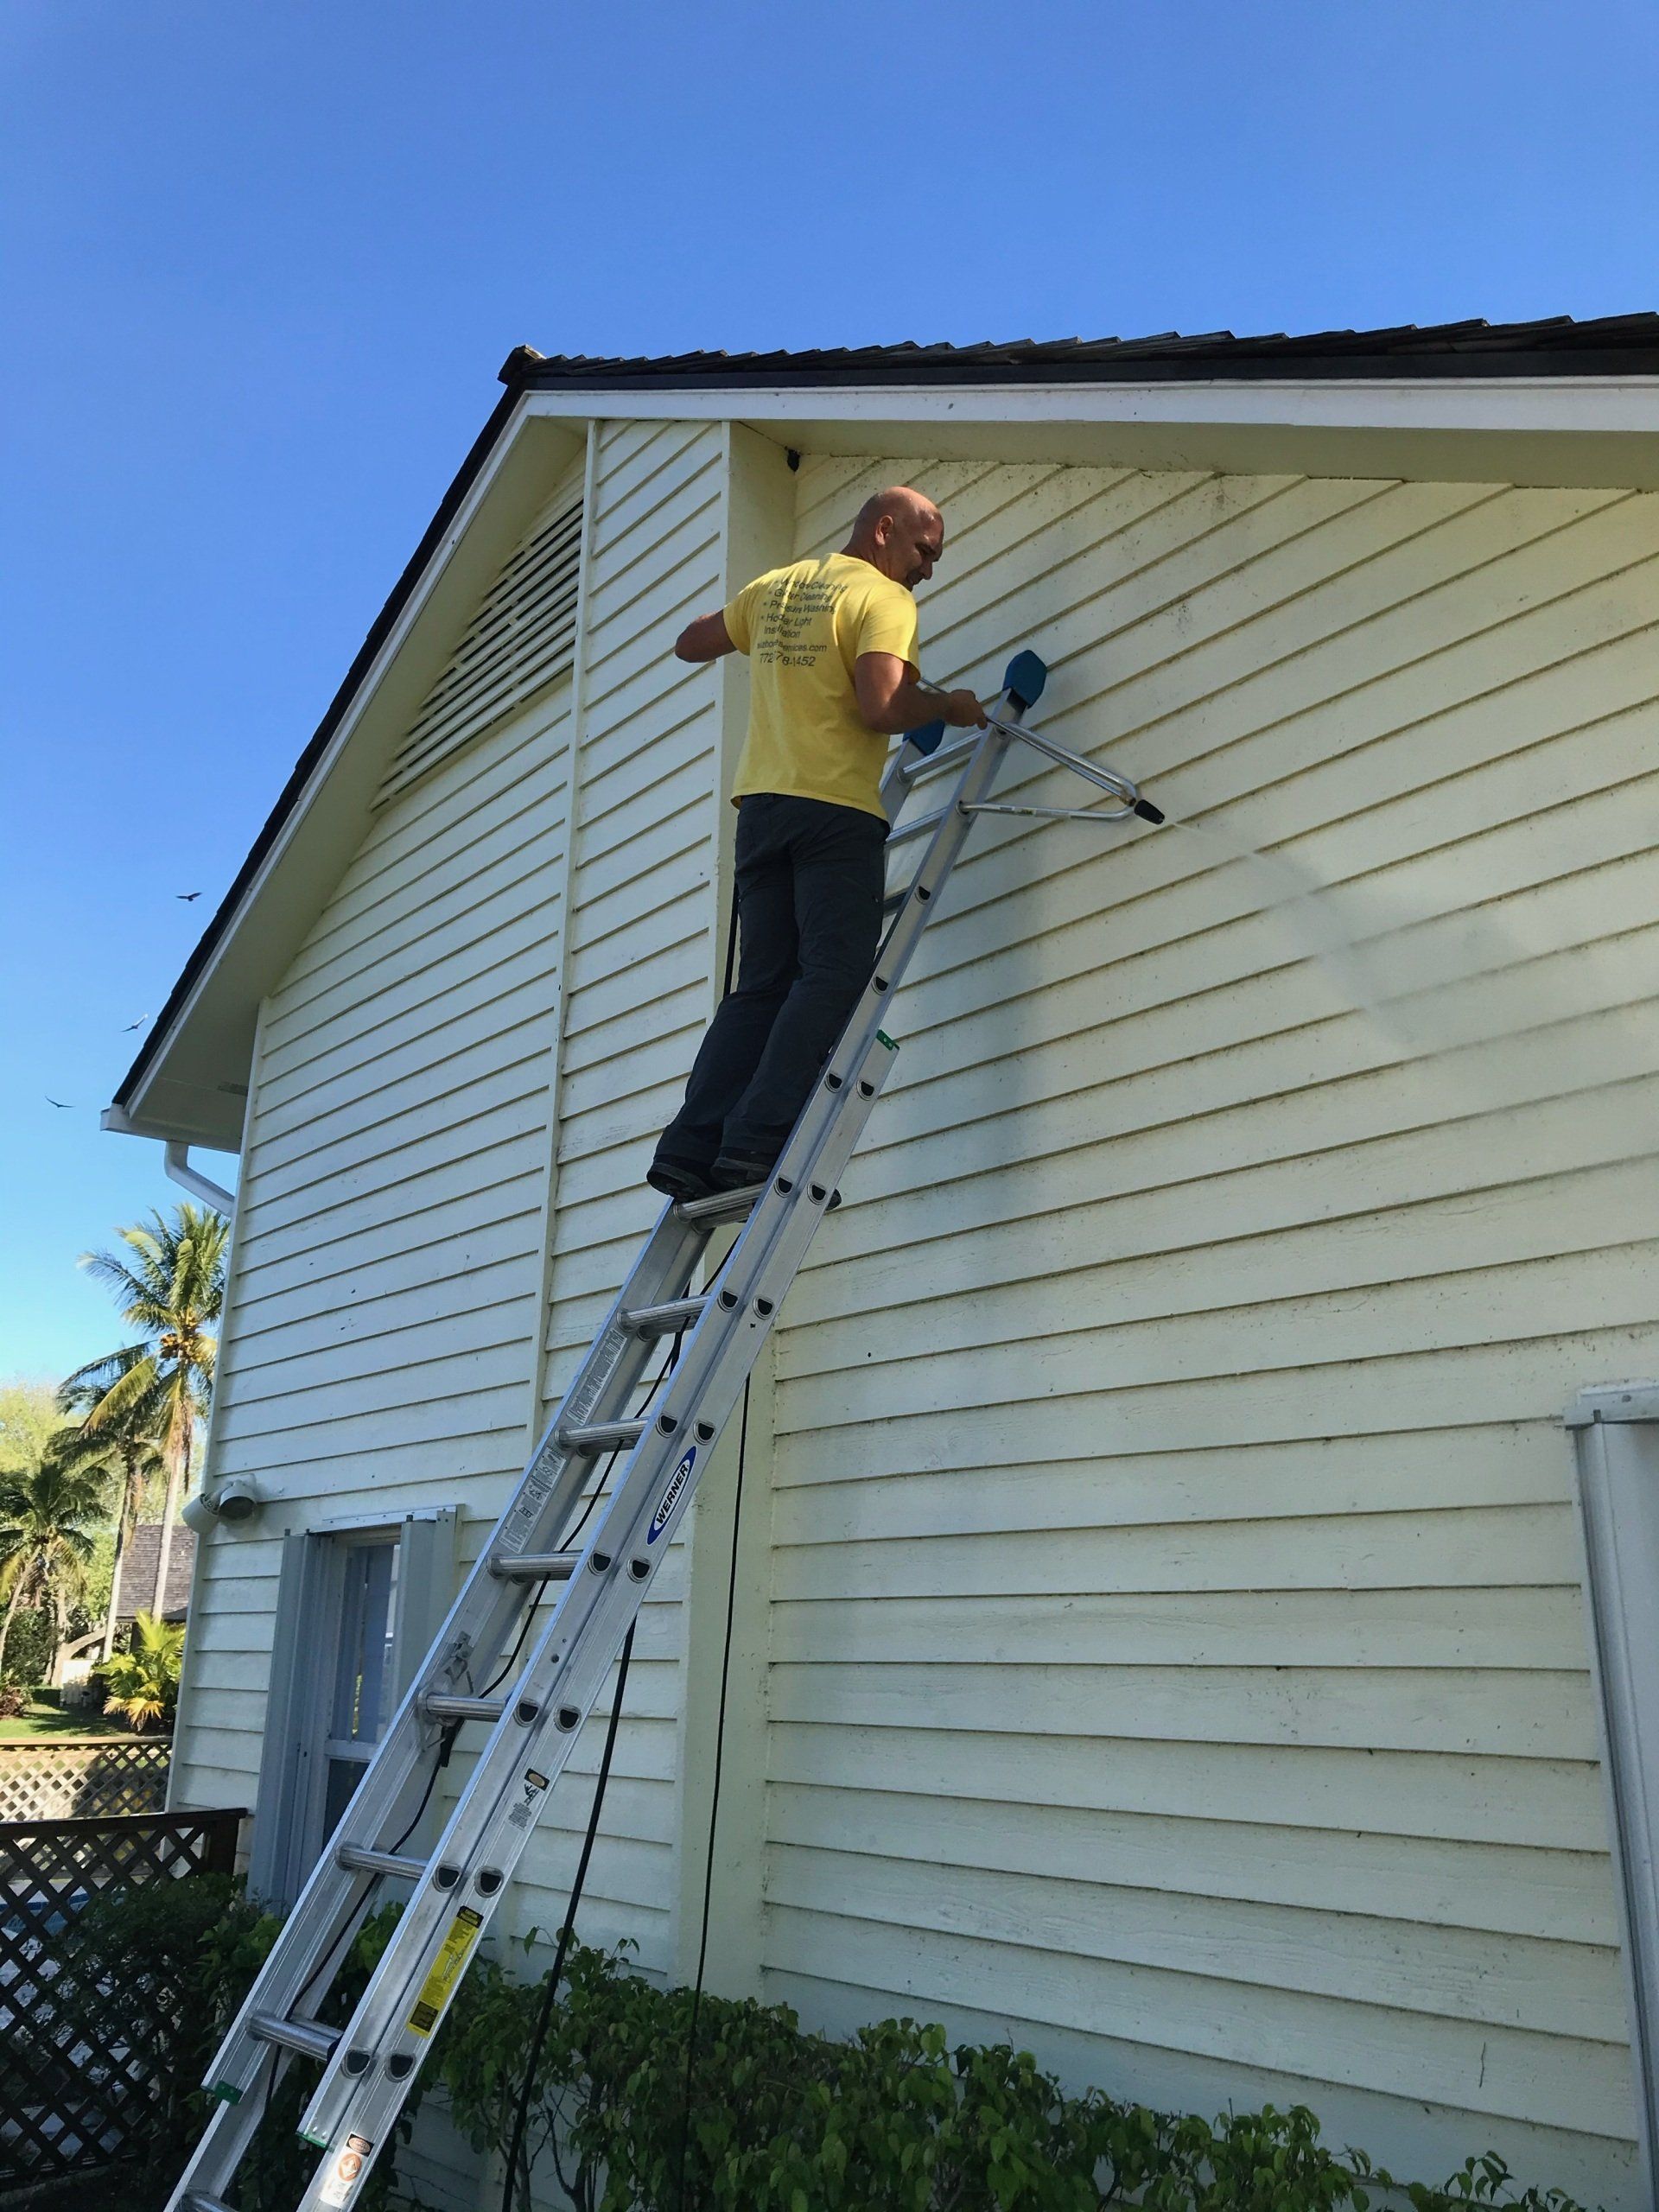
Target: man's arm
[
  {"x": 889, "y": 698},
  {"x": 707, "y": 639}
]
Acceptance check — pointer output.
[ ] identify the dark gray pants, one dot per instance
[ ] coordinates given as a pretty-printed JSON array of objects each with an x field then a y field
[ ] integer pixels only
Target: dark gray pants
[{"x": 810, "y": 879}]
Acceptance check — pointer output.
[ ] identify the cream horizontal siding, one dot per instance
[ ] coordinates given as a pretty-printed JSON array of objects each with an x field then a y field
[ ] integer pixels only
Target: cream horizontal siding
[
  {"x": 637, "y": 994},
  {"x": 233, "y": 1625},
  {"x": 379, "y": 1348},
  {"x": 1175, "y": 1632}
]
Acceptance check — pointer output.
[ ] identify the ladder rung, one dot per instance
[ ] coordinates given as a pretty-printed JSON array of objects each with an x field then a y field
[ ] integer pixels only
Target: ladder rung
[
  {"x": 199, "y": 2203},
  {"x": 380, "y": 1862},
  {"x": 894, "y": 899},
  {"x": 919, "y": 828},
  {"x": 601, "y": 1436},
  {"x": 941, "y": 757},
  {"x": 723, "y": 1206},
  {"x": 307, "y": 2036},
  {"x": 536, "y": 1567},
  {"x": 464, "y": 1708},
  {"x": 665, "y": 1320}
]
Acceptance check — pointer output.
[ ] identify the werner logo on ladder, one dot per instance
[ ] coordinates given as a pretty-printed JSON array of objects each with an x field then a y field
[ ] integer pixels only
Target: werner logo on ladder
[{"x": 731, "y": 1172}]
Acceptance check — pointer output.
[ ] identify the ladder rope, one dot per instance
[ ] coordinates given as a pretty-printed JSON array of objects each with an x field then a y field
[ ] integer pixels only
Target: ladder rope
[
  {"x": 550, "y": 1995},
  {"x": 713, "y": 1799},
  {"x": 556, "y": 1971}
]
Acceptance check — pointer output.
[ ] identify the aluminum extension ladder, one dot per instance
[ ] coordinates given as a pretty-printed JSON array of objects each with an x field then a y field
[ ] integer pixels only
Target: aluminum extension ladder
[{"x": 532, "y": 1720}]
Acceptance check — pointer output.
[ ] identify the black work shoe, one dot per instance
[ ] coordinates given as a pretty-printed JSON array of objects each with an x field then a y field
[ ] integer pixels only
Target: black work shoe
[
  {"x": 735, "y": 1171},
  {"x": 678, "y": 1180}
]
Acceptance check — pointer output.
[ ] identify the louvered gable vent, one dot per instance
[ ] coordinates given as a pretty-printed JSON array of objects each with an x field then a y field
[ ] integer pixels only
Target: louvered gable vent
[{"x": 519, "y": 643}]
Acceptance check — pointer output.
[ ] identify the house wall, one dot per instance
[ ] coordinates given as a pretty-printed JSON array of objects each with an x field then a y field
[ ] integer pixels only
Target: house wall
[
  {"x": 379, "y": 1351},
  {"x": 1169, "y": 1649},
  {"x": 1175, "y": 1649},
  {"x": 429, "y": 1222}
]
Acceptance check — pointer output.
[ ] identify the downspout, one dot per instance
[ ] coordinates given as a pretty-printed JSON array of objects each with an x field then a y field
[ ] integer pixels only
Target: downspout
[{"x": 175, "y": 1160}]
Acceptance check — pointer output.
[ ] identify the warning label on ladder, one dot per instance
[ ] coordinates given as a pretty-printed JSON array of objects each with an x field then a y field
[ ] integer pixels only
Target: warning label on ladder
[
  {"x": 447, "y": 1970},
  {"x": 344, "y": 2172}
]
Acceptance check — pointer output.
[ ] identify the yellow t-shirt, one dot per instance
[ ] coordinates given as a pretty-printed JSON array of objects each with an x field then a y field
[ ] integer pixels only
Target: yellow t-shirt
[{"x": 803, "y": 628}]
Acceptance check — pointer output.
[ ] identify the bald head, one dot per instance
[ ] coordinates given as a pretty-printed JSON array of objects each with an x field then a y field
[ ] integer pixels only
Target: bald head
[{"x": 900, "y": 532}]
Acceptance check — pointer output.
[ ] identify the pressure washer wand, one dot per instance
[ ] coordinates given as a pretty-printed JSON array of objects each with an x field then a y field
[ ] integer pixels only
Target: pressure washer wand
[{"x": 1022, "y": 685}]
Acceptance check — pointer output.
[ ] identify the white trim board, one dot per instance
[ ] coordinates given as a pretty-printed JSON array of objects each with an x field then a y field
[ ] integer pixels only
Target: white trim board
[{"x": 1566, "y": 430}]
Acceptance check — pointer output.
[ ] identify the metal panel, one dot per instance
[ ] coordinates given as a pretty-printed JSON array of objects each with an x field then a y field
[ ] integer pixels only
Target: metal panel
[{"x": 1615, "y": 1429}]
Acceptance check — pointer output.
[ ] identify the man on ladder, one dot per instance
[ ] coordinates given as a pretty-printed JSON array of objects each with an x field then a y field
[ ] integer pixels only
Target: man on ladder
[
  {"x": 491, "y": 1666},
  {"x": 833, "y": 648}
]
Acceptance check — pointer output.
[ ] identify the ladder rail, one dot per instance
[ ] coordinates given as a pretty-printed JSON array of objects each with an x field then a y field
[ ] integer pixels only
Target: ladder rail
[
  {"x": 534, "y": 1722},
  {"x": 532, "y": 1743},
  {"x": 473, "y": 1636},
  {"x": 760, "y": 1264}
]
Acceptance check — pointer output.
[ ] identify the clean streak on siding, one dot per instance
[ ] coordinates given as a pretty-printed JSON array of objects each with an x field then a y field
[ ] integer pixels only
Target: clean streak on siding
[{"x": 1175, "y": 1617}]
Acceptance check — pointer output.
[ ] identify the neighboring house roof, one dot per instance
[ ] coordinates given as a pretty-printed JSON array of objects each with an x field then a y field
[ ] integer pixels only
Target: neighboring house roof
[
  {"x": 138, "y": 1571},
  {"x": 1558, "y": 345},
  {"x": 1611, "y": 346}
]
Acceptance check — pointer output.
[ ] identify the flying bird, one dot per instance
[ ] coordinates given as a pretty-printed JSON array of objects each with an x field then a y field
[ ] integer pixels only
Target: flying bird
[
  {"x": 139, "y": 1024},
  {"x": 62, "y": 1104},
  {"x": 186, "y": 896}
]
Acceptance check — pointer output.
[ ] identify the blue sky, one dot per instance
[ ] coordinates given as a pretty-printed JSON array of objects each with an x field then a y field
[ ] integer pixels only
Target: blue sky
[{"x": 261, "y": 264}]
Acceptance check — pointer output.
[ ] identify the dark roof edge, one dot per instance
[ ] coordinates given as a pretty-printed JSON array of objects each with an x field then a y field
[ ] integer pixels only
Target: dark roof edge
[
  {"x": 1316, "y": 369},
  {"x": 1608, "y": 345},
  {"x": 1447, "y": 350},
  {"x": 449, "y": 506}
]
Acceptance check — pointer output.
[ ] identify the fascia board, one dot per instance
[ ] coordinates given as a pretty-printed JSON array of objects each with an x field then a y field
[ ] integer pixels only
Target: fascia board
[
  {"x": 189, "y": 1084},
  {"x": 1543, "y": 430}
]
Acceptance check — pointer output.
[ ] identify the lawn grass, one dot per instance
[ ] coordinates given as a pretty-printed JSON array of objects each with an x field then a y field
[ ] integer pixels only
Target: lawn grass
[{"x": 38, "y": 1719}]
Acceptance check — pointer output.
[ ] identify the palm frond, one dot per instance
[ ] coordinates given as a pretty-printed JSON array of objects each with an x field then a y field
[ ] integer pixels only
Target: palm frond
[
  {"x": 81, "y": 1390},
  {"x": 134, "y": 1399}
]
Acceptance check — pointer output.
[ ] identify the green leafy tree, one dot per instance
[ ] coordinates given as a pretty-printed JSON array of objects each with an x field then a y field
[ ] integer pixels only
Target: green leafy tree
[
  {"x": 126, "y": 1445},
  {"x": 170, "y": 1287},
  {"x": 49, "y": 1516},
  {"x": 143, "y": 1679},
  {"x": 29, "y": 1418}
]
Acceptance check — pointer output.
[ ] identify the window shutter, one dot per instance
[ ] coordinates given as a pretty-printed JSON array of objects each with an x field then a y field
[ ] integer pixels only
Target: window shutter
[
  {"x": 426, "y": 1589},
  {"x": 273, "y": 1871},
  {"x": 520, "y": 642}
]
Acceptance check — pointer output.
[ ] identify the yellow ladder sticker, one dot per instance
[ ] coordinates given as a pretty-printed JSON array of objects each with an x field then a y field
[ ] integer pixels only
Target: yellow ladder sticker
[{"x": 447, "y": 1970}]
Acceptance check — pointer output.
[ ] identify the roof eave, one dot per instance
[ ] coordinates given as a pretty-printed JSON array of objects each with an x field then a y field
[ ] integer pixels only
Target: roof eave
[
  {"x": 843, "y": 398},
  {"x": 189, "y": 1080}
]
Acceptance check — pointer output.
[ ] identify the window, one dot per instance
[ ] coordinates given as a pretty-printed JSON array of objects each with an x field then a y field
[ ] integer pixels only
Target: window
[
  {"x": 363, "y": 1671},
  {"x": 356, "y": 1611}
]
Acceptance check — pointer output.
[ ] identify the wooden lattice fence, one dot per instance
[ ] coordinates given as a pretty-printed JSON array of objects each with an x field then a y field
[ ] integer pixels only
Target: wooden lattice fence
[
  {"x": 75, "y": 2098},
  {"x": 83, "y": 1777}
]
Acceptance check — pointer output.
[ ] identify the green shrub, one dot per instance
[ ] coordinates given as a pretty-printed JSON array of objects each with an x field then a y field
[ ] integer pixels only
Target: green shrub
[
  {"x": 29, "y": 1648},
  {"x": 894, "y": 2120}
]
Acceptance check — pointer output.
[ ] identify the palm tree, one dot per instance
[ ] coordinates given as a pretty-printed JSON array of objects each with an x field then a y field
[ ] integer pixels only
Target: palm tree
[
  {"x": 124, "y": 1444},
  {"x": 48, "y": 1517},
  {"x": 172, "y": 1290},
  {"x": 143, "y": 1682}
]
